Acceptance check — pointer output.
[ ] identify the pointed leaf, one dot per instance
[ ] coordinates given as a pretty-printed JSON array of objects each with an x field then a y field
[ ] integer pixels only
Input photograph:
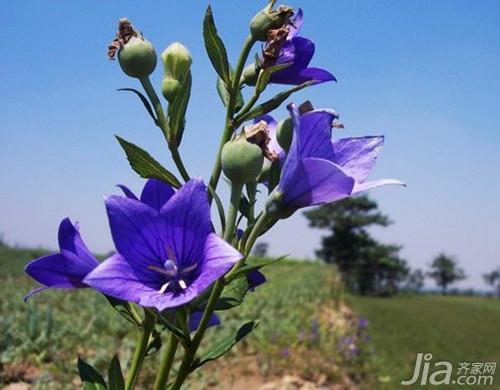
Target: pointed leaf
[
  {"x": 233, "y": 294},
  {"x": 145, "y": 165},
  {"x": 271, "y": 104},
  {"x": 226, "y": 344},
  {"x": 144, "y": 101},
  {"x": 91, "y": 379},
  {"x": 215, "y": 47},
  {"x": 177, "y": 110},
  {"x": 123, "y": 308},
  {"x": 115, "y": 376},
  {"x": 255, "y": 265},
  {"x": 265, "y": 76},
  {"x": 223, "y": 92}
]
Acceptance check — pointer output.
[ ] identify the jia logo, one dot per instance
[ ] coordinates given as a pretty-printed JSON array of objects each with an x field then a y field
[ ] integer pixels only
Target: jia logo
[{"x": 441, "y": 372}]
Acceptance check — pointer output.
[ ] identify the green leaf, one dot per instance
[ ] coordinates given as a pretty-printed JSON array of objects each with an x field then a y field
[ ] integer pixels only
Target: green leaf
[
  {"x": 223, "y": 92},
  {"x": 167, "y": 323},
  {"x": 144, "y": 101},
  {"x": 124, "y": 308},
  {"x": 215, "y": 47},
  {"x": 226, "y": 344},
  {"x": 115, "y": 376},
  {"x": 255, "y": 265},
  {"x": 265, "y": 76},
  {"x": 233, "y": 294},
  {"x": 91, "y": 379},
  {"x": 271, "y": 104},
  {"x": 154, "y": 344},
  {"x": 145, "y": 165},
  {"x": 177, "y": 110}
]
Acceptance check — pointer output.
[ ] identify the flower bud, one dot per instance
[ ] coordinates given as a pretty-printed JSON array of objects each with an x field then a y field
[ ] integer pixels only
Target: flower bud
[
  {"x": 269, "y": 19},
  {"x": 241, "y": 160},
  {"x": 176, "y": 64},
  {"x": 284, "y": 133},
  {"x": 137, "y": 56},
  {"x": 250, "y": 75},
  {"x": 276, "y": 207}
]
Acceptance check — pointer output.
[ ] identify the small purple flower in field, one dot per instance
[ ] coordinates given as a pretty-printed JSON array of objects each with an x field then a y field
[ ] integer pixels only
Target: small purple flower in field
[
  {"x": 362, "y": 323},
  {"x": 318, "y": 170},
  {"x": 195, "y": 318},
  {"x": 285, "y": 353},
  {"x": 167, "y": 256},
  {"x": 255, "y": 279},
  {"x": 286, "y": 47},
  {"x": 65, "y": 269}
]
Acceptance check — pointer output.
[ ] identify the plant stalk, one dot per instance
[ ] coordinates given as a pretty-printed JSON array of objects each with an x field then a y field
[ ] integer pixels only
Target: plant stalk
[{"x": 166, "y": 363}]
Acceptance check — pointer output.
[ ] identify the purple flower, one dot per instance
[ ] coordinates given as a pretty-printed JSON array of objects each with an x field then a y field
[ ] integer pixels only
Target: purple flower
[
  {"x": 167, "y": 255},
  {"x": 318, "y": 170},
  {"x": 65, "y": 269},
  {"x": 298, "y": 51},
  {"x": 155, "y": 193}
]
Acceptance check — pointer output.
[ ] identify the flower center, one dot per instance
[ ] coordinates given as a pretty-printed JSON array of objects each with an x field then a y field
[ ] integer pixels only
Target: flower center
[{"x": 175, "y": 278}]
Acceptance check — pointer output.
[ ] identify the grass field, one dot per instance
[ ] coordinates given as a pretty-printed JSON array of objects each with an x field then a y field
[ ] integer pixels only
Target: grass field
[
  {"x": 299, "y": 334},
  {"x": 452, "y": 328}
]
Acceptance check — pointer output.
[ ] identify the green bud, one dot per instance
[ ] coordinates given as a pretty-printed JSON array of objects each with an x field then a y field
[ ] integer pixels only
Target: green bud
[
  {"x": 250, "y": 75},
  {"x": 176, "y": 61},
  {"x": 241, "y": 160},
  {"x": 284, "y": 133},
  {"x": 137, "y": 58},
  {"x": 269, "y": 19},
  {"x": 176, "y": 64}
]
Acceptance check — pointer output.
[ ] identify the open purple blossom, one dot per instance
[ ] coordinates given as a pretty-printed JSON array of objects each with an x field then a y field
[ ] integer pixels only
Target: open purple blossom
[
  {"x": 166, "y": 257},
  {"x": 298, "y": 51},
  {"x": 318, "y": 170},
  {"x": 155, "y": 193},
  {"x": 65, "y": 269}
]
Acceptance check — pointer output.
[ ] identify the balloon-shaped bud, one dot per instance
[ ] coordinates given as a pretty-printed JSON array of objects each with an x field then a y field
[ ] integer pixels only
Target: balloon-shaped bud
[
  {"x": 137, "y": 56},
  {"x": 284, "y": 133},
  {"x": 269, "y": 19},
  {"x": 241, "y": 160},
  {"x": 177, "y": 65},
  {"x": 250, "y": 75}
]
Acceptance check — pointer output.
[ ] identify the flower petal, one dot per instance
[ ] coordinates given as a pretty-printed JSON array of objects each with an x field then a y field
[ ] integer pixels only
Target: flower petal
[
  {"x": 187, "y": 216},
  {"x": 156, "y": 193},
  {"x": 255, "y": 279},
  {"x": 357, "y": 156},
  {"x": 296, "y": 24},
  {"x": 195, "y": 318},
  {"x": 118, "y": 278},
  {"x": 56, "y": 271},
  {"x": 74, "y": 249},
  {"x": 368, "y": 185},
  {"x": 317, "y": 75},
  {"x": 316, "y": 181},
  {"x": 315, "y": 133},
  {"x": 138, "y": 231},
  {"x": 126, "y": 191},
  {"x": 299, "y": 51}
]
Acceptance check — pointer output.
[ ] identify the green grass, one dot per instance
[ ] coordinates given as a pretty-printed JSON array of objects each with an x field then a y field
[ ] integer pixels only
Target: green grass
[
  {"x": 42, "y": 339},
  {"x": 452, "y": 328}
]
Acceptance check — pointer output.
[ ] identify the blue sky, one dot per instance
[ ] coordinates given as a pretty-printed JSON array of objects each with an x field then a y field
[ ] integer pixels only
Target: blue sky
[{"x": 424, "y": 73}]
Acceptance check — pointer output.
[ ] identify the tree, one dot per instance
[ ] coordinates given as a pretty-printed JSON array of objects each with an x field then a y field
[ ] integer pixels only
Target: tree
[
  {"x": 445, "y": 271},
  {"x": 493, "y": 279},
  {"x": 415, "y": 280},
  {"x": 366, "y": 266},
  {"x": 260, "y": 249}
]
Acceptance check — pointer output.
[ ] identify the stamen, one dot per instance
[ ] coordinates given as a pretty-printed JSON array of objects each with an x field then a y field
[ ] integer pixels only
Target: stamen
[
  {"x": 182, "y": 284},
  {"x": 164, "y": 288},
  {"x": 160, "y": 270},
  {"x": 190, "y": 268}
]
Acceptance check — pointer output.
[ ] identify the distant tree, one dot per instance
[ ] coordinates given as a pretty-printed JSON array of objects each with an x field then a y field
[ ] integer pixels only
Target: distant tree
[
  {"x": 366, "y": 266},
  {"x": 445, "y": 271},
  {"x": 493, "y": 279},
  {"x": 415, "y": 280},
  {"x": 260, "y": 249}
]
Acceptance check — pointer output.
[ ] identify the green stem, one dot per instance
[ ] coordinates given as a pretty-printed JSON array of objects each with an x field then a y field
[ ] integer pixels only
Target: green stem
[
  {"x": 229, "y": 128},
  {"x": 166, "y": 363},
  {"x": 140, "y": 350},
  {"x": 162, "y": 123},
  {"x": 232, "y": 213},
  {"x": 252, "y": 193},
  {"x": 255, "y": 233}
]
